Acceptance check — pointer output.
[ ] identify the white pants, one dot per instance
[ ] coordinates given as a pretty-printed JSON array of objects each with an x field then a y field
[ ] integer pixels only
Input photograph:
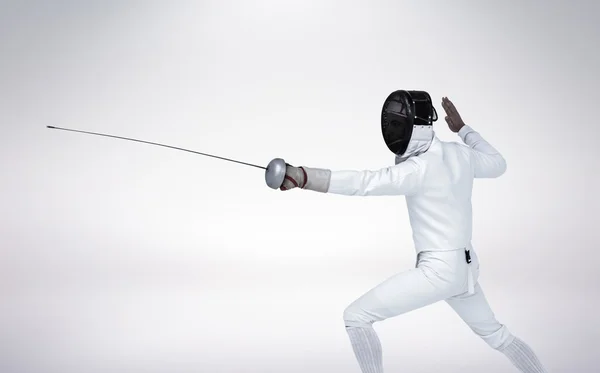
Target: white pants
[{"x": 438, "y": 276}]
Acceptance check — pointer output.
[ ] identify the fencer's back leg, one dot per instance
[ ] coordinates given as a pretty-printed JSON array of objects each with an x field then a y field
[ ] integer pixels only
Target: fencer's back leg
[{"x": 476, "y": 312}]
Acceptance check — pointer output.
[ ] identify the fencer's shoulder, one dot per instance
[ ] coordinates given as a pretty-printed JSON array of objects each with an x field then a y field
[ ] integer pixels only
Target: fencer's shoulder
[
  {"x": 411, "y": 164},
  {"x": 415, "y": 165},
  {"x": 455, "y": 145}
]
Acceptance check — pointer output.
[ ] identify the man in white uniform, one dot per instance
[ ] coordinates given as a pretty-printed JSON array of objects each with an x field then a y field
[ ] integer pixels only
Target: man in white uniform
[{"x": 436, "y": 178}]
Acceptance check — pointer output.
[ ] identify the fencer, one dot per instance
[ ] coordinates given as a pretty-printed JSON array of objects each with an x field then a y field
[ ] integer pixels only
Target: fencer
[{"x": 436, "y": 178}]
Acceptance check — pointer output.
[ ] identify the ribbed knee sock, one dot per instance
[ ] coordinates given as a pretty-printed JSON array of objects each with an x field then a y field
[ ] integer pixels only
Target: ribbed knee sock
[
  {"x": 367, "y": 348},
  {"x": 523, "y": 357}
]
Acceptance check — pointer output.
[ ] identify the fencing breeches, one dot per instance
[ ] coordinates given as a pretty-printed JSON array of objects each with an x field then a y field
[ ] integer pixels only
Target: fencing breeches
[{"x": 438, "y": 276}]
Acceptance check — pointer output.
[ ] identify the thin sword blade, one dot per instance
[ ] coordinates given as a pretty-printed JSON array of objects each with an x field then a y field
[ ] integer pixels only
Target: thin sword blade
[{"x": 154, "y": 143}]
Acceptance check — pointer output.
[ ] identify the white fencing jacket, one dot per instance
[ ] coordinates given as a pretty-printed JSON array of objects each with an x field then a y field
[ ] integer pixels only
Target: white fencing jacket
[{"x": 437, "y": 184}]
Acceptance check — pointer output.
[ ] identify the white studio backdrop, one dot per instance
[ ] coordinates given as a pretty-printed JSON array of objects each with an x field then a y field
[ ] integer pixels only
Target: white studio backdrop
[{"x": 125, "y": 257}]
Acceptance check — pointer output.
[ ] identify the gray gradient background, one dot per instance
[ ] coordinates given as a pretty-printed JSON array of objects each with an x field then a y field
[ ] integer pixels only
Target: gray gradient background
[{"x": 124, "y": 257}]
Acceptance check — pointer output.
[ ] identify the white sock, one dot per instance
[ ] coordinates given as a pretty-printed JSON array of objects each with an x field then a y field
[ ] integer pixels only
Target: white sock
[
  {"x": 367, "y": 348},
  {"x": 523, "y": 357}
]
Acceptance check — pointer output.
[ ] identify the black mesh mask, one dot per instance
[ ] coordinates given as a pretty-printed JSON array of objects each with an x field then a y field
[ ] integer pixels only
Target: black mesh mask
[{"x": 402, "y": 110}]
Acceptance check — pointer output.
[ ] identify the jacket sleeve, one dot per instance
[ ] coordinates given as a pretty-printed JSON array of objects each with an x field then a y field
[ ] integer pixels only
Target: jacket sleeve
[
  {"x": 486, "y": 160},
  {"x": 402, "y": 179}
]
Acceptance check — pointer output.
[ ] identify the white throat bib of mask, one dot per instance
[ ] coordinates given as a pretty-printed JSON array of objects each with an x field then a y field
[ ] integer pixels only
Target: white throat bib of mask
[{"x": 420, "y": 141}]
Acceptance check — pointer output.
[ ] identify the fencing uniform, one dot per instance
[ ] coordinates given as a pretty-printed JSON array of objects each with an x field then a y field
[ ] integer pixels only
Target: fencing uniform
[
  {"x": 436, "y": 178},
  {"x": 437, "y": 184}
]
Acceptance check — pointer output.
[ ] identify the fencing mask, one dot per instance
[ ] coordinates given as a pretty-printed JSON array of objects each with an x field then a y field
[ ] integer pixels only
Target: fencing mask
[{"x": 407, "y": 123}]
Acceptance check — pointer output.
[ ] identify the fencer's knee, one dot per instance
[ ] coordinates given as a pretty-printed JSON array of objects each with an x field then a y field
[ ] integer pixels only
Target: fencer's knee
[
  {"x": 497, "y": 339},
  {"x": 354, "y": 316}
]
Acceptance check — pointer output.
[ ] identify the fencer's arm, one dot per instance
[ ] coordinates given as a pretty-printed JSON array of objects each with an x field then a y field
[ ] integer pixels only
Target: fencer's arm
[
  {"x": 487, "y": 161},
  {"x": 402, "y": 179}
]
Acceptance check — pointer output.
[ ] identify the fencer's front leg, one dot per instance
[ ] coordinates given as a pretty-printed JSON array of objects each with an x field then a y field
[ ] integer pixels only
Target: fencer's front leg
[{"x": 315, "y": 179}]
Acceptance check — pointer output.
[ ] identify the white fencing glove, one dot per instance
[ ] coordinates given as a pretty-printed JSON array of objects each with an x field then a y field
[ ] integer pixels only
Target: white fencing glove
[{"x": 315, "y": 179}]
